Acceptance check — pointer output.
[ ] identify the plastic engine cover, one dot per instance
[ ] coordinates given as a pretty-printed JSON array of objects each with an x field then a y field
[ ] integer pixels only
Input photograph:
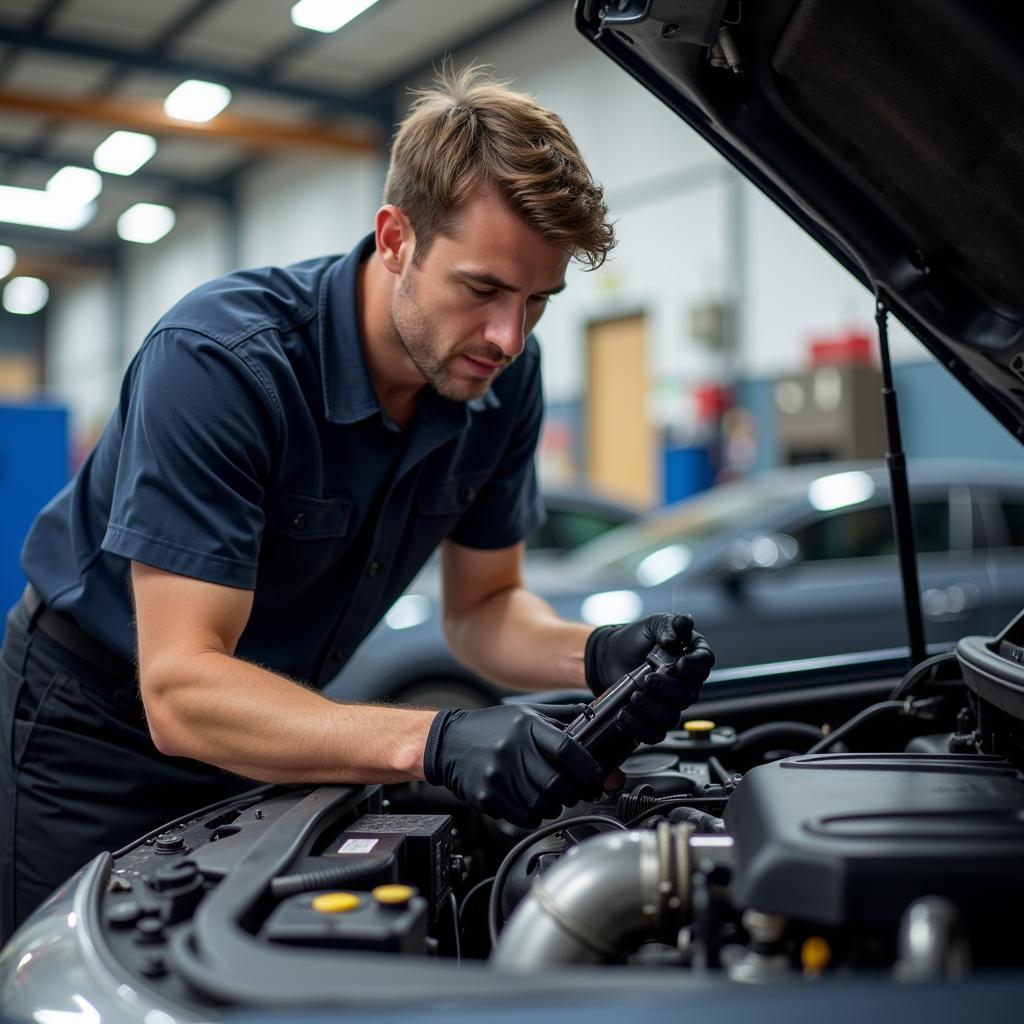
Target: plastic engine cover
[{"x": 854, "y": 838}]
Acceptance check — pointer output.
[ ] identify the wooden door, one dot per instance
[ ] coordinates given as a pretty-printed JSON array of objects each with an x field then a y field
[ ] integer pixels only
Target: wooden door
[{"x": 620, "y": 440}]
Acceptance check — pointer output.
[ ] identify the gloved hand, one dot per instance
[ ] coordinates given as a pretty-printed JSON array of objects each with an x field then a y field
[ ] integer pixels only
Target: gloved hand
[
  {"x": 612, "y": 651},
  {"x": 513, "y": 761}
]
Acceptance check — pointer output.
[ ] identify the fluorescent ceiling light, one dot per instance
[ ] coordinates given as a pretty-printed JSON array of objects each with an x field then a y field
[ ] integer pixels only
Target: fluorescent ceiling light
[
  {"x": 328, "y": 15},
  {"x": 123, "y": 152},
  {"x": 145, "y": 223},
  {"x": 8, "y": 257},
  {"x": 25, "y": 295},
  {"x": 75, "y": 185},
  {"x": 194, "y": 100},
  {"x": 43, "y": 209}
]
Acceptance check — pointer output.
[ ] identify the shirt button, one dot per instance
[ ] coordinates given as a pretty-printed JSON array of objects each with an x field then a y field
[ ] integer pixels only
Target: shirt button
[
  {"x": 299, "y": 521},
  {"x": 467, "y": 494},
  {"x": 337, "y": 654},
  {"x": 372, "y": 569}
]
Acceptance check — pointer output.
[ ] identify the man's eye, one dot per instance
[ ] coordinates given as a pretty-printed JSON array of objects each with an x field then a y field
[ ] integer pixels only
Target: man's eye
[
  {"x": 541, "y": 300},
  {"x": 481, "y": 293}
]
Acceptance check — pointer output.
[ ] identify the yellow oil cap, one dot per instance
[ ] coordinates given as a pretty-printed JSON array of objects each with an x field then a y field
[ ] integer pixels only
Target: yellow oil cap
[
  {"x": 335, "y": 902},
  {"x": 815, "y": 954},
  {"x": 394, "y": 895},
  {"x": 698, "y": 725}
]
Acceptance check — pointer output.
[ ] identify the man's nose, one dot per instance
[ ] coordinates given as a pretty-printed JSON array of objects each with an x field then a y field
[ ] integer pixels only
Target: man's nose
[{"x": 506, "y": 330}]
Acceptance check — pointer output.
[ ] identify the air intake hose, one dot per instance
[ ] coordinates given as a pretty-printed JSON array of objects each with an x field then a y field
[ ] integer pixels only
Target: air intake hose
[{"x": 602, "y": 899}]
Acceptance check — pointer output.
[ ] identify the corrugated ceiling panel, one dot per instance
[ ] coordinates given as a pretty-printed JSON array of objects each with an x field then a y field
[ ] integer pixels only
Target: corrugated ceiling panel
[
  {"x": 194, "y": 161},
  {"x": 52, "y": 73},
  {"x": 372, "y": 51},
  {"x": 128, "y": 24},
  {"x": 19, "y": 13},
  {"x": 239, "y": 33},
  {"x": 18, "y": 129}
]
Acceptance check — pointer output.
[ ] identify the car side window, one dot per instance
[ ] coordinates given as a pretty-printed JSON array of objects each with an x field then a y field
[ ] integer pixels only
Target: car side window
[
  {"x": 567, "y": 529},
  {"x": 1013, "y": 517},
  {"x": 868, "y": 533}
]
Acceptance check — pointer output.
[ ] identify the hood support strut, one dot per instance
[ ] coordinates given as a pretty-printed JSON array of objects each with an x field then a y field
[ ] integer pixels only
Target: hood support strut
[{"x": 902, "y": 510}]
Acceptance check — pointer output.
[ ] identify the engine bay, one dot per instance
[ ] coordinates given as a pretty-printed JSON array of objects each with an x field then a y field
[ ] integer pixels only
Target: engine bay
[{"x": 889, "y": 844}]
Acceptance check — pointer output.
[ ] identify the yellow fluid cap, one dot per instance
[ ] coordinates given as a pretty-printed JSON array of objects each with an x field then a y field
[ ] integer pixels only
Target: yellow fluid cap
[
  {"x": 394, "y": 895},
  {"x": 815, "y": 954},
  {"x": 698, "y": 725},
  {"x": 335, "y": 902}
]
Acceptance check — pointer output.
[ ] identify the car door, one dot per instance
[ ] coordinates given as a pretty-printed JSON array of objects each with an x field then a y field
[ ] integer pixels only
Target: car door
[{"x": 843, "y": 592}]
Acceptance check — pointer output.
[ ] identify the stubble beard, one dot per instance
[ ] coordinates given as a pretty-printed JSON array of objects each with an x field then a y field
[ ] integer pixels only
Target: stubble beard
[{"x": 422, "y": 343}]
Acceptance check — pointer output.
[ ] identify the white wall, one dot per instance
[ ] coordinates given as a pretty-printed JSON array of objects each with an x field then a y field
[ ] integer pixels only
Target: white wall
[
  {"x": 796, "y": 291},
  {"x": 82, "y": 365},
  {"x": 156, "y": 276},
  {"x": 295, "y": 209}
]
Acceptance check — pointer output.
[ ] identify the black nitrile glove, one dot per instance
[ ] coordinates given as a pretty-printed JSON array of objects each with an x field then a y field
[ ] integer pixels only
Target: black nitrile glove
[
  {"x": 513, "y": 761},
  {"x": 612, "y": 651}
]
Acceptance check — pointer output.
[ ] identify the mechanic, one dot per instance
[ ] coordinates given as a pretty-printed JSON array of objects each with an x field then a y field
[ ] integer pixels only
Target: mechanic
[{"x": 289, "y": 446}]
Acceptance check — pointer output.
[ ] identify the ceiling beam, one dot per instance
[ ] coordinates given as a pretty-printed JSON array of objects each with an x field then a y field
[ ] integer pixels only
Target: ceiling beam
[
  {"x": 148, "y": 116},
  {"x": 383, "y": 93},
  {"x": 153, "y": 179},
  {"x": 55, "y": 246},
  {"x": 55, "y": 269},
  {"x": 337, "y": 103}
]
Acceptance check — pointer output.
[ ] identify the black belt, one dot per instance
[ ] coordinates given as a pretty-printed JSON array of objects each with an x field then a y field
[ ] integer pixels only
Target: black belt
[{"x": 63, "y": 629}]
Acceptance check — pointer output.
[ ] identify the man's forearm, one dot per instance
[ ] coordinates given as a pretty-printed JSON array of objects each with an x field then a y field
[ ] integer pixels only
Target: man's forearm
[
  {"x": 515, "y": 638},
  {"x": 245, "y": 719}
]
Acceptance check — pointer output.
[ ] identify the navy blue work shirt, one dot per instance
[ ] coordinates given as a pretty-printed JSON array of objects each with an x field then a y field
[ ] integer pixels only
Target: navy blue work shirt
[{"x": 249, "y": 449}]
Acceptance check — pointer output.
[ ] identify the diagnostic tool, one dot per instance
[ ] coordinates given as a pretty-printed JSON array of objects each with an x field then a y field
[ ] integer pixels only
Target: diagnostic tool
[{"x": 597, "y": 727}]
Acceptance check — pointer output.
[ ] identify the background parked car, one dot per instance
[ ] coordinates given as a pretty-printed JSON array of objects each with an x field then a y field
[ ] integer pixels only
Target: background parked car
[
  {"x": 576, "y": 516},
  {"x": 795, "y": 563}
]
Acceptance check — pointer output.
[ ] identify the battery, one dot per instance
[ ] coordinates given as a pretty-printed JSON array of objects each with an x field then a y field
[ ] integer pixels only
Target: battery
[{"x": 423, "y": 857}]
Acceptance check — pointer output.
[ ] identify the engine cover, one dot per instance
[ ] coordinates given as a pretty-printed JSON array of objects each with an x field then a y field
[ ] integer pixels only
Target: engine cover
[{"x": 854, "y": 838}]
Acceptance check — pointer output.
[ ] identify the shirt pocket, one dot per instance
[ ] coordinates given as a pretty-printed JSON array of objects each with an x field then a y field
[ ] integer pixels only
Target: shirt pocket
[{"x": 303, "y": 536}]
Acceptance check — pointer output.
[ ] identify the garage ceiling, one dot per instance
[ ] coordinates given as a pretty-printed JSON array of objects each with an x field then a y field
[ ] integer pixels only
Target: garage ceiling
[{"x": 73, "y": 71}]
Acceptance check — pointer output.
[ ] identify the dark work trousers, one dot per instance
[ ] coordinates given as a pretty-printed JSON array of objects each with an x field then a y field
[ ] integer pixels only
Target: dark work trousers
[{"x": 78, "y": 771}]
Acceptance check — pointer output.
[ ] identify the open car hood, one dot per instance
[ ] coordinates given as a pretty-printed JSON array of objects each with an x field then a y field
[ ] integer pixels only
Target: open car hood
[{"x": 893, "y": 133}]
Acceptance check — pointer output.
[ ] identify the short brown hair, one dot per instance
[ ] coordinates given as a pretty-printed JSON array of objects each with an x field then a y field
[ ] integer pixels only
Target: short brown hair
[{"x": 469, "y": 131}]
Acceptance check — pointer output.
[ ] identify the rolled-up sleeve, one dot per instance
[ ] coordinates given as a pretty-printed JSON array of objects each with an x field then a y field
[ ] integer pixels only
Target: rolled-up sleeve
[
  {"x": 508, "y": 508},
  {"x": 199, "y": 430}
]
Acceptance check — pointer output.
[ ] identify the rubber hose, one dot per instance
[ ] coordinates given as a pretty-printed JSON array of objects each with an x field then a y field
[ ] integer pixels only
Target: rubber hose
[
  {"x": 772, "y": 732},
  {"x": 339, "y": 874},
  {"x": 858, "y": 720}
]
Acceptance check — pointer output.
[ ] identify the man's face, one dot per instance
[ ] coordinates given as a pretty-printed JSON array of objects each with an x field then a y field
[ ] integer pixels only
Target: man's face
[{"x": 463, "y": 314}]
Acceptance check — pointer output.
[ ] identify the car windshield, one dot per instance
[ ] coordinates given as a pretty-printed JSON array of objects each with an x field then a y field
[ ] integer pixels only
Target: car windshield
[{"x": 657, "y": 548}]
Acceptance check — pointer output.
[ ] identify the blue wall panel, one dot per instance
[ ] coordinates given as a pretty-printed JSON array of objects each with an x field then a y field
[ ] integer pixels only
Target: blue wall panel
[
  {"x": 939, "y": 417},
  {"x": 34, "y": 465}
]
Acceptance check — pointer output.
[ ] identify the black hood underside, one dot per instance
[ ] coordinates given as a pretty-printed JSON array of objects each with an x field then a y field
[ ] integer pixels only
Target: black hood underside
[{"x": 893, "y": 132}]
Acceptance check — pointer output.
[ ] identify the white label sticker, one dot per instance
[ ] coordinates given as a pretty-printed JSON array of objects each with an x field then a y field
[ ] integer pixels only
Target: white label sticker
[{"x": 357, "y": 845}]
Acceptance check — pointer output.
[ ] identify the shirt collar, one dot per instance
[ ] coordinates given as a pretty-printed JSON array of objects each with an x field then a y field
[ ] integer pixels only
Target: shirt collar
[{"x": 348, "y": 391}]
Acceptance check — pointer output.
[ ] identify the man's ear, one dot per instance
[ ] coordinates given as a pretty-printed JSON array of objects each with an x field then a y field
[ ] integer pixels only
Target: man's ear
[{"x": 395, "y": 239}]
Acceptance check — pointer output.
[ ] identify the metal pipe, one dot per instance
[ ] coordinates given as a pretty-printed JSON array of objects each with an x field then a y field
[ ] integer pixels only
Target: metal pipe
[
  {"x": 614, "y": 888},
  {"x": 931, "y": 942}
]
